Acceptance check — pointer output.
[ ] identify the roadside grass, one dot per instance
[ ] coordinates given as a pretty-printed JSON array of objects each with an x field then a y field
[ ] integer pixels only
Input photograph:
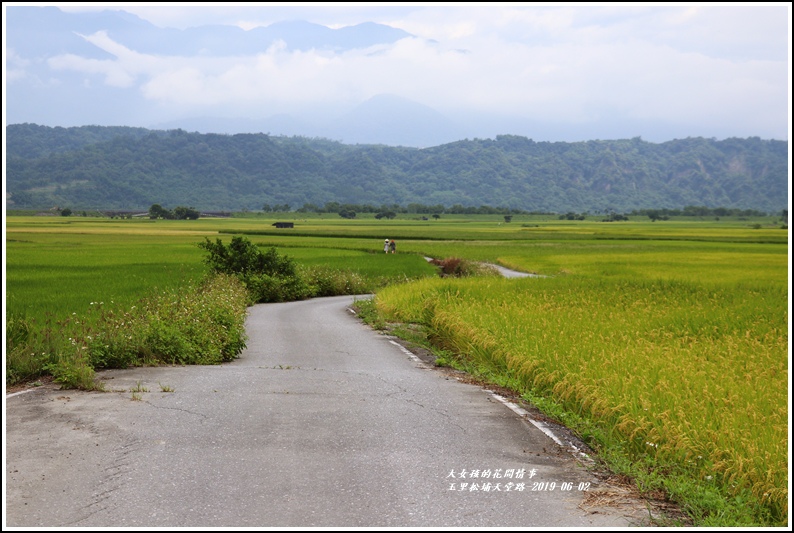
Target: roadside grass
[{"x": 201, "y": 323}]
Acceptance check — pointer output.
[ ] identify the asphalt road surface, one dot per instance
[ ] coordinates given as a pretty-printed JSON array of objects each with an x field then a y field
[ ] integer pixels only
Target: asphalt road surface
[{"x": 322, "y": 422}]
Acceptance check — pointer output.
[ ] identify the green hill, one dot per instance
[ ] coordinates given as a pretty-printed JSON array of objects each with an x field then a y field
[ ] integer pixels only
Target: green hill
[{"x": 132, "y": 168}]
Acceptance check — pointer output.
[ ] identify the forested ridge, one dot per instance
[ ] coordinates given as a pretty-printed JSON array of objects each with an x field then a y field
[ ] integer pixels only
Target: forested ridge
[{"x": 95, "y": 167}]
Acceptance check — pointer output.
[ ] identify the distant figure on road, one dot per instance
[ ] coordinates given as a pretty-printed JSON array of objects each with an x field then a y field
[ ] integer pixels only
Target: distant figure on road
[
  {"x": 386, "y": 246},
  {"x": 392, "y": 246}
]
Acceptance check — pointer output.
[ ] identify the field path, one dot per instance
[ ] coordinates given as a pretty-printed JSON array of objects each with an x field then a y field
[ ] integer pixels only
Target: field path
[
  {"x": 321, "y": 422},
  {"x": 504, "y": 271}
]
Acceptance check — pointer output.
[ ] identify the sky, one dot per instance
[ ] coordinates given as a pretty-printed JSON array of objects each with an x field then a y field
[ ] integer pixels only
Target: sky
[{"x": 670, "y": 70}]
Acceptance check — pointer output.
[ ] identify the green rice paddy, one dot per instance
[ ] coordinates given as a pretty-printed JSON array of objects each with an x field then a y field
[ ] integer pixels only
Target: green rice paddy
[{"x": 666, "y": 344}]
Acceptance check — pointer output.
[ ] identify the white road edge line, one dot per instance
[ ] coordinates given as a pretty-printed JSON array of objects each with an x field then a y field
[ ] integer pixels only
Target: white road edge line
[
  {"x": 18, "y": 393},
  {"x": 578, "y": 453},
  {"x": 572, "y": 448},
  {"x": 408, "y": 352}
]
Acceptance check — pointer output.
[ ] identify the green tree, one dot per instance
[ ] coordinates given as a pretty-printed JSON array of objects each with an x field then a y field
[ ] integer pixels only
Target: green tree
[
  {"x": 157, "y": 211},
  {"x": 242, "y": 257},
  {"x": 185, "y": 213},
  {"x": 268, "y": 276}
]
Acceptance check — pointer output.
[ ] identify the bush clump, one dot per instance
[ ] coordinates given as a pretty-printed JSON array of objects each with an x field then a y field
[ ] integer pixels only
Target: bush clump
[
  {"x": 268, "y": 276},
  {"x": 461, "y": 268},
  {"x": 272, "y": 277}
]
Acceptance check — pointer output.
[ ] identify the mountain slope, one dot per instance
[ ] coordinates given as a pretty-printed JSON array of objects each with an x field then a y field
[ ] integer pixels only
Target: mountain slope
[{"x": 133, "y": 168}]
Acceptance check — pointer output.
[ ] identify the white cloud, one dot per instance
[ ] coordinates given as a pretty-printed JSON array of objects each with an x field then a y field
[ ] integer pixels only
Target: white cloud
[
  {"x": 15, "y": 66},
  {"x": 569, "y": 63}
]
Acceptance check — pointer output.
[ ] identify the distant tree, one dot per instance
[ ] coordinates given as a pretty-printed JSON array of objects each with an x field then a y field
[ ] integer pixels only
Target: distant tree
[
  {"x": 309, "y": 208},
  {"x": 436, "y": 216},
  {"x": 157, "y": 211},
  {"x": 508, "y": 218},
  {"x": 345, "y": 213},
  {"x": 386, "y": 214},
  {"x": 66, "y": 212},
  {"x": 185, "y": 213}
]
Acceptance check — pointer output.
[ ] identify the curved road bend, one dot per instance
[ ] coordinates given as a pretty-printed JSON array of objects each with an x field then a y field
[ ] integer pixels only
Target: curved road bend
[{"x": 321, "y": 422}]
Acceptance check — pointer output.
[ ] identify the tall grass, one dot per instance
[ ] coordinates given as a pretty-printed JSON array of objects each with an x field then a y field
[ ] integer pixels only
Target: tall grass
[
  {"x": 193, "y": 324},
  {"x": 692, "y": 375}
]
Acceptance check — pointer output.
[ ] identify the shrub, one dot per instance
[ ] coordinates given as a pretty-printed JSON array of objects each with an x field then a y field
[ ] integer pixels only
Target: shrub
[
  {"x": 242, "y": 257},
  {"x": 333, "y": 282},
  {"x": 461, "y": 268},
  {"x": 268, "y": 276},
  {"x": 265, "y": 288}
]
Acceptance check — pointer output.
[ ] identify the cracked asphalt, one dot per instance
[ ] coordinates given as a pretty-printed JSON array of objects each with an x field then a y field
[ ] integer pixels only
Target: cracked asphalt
[{"x": 322, "y": 422}]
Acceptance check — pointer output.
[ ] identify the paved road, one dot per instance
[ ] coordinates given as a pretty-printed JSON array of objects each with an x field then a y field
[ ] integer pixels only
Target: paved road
[{"x": 321, "y": 422}]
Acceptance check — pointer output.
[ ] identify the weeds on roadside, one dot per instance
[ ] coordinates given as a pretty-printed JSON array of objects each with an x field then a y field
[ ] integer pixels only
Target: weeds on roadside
[
  {"x": 197, "y": 324},
  {"x": 139, "y": 387}
]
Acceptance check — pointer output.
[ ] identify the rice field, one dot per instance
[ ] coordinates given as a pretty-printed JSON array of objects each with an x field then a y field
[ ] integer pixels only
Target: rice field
[
  {"x": 668, "y": 340},
  {"x": 56, "y": 267}
]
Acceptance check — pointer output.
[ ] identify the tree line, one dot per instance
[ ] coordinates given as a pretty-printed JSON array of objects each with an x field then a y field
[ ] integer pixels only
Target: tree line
[{"x": 156, "y": 211}]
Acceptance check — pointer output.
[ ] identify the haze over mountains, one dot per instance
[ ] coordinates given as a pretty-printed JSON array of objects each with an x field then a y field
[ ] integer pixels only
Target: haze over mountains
[
  {"x": 293, "y": 77},
  {"x": 44, "y": 37}
]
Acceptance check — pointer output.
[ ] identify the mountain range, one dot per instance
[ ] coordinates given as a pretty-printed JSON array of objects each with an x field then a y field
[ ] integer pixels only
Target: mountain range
[{"x": 132, "y": 168}]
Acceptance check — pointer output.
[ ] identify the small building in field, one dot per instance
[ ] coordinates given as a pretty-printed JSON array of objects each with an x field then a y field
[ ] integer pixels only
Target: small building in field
[{"x": 284, "y": 224}]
